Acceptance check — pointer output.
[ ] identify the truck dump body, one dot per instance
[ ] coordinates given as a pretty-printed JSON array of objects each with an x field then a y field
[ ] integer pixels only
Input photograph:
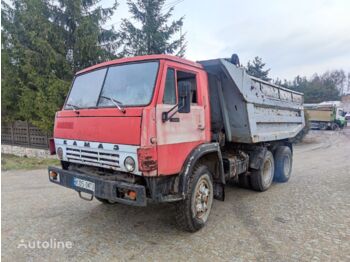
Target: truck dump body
[
  {"x": 322, "y": 114},
  {"x": 248, "y": 109}
]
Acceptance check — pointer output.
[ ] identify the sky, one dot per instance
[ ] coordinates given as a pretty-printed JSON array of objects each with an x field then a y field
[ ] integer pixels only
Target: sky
[{"x": 293, "y": 37}]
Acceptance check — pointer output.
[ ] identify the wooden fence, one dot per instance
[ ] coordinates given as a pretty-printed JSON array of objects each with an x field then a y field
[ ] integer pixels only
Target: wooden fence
[{"x": 21, "y": 133}]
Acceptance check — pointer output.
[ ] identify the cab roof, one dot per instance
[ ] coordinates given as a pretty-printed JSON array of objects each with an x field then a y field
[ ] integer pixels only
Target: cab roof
[{"x": 141, "y": 58}]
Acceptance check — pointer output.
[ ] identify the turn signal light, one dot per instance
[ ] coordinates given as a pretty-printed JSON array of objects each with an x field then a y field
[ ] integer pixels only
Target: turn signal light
[
  {"x": 132, "y": 195},
  {"x": 53, "y": 175}
]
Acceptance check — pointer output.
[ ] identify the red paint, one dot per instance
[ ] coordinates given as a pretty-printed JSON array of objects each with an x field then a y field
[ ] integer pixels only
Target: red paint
[
  {"x": 172, "y": 157},
  {"x": 164, "y": 147},
  {"x": 65, "y": 125},
  {"x": 117, "y": 130},
  {"x": 101, "y": 112}
]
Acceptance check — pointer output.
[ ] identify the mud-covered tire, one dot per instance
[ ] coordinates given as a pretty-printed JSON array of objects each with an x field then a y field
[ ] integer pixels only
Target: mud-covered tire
[
  {"x": 261, "y": 179},
  {"x": 187, "y": 216},
  {"x": 244, "y": 181},
  {"x": 105, "y": 201},
  {"x": 283, "y": 164}
]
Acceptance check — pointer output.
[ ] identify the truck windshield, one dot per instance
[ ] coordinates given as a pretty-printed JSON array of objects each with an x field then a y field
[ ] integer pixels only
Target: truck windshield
[{"x": 129, "y": 84}]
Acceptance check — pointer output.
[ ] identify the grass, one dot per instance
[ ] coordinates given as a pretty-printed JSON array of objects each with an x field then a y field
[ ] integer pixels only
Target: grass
[{"x": 12, "y": 162}]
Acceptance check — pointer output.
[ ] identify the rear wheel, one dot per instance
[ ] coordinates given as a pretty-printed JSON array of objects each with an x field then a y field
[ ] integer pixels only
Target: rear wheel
[
  {"x": 193, "y": 212},
  {"x": 261, "y": 179},
  {"x": 335, "y": 126},
  {"x": 283, "y": 164}
]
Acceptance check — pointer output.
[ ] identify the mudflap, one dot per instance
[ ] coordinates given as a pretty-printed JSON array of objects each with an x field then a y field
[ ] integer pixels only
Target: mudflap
[{"x": 219, "y": 191}]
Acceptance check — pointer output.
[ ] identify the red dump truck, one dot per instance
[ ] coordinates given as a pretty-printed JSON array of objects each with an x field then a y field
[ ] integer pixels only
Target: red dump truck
[{"x": 164, "y": 129}]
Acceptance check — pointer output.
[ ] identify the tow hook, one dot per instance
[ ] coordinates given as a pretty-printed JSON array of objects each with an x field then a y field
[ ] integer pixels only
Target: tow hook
[{"x": 86, "y": 198}]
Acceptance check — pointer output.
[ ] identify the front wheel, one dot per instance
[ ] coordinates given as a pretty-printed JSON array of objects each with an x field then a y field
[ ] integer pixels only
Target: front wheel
[{"x": 194, "y": 210}]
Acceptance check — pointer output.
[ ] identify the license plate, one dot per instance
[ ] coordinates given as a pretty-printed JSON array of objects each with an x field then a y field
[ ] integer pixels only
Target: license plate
[{"x": 84, "y": 184}]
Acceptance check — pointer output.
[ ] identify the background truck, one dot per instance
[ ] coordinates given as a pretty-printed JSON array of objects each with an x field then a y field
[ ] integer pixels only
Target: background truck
[
  {"x": 326, "y": 115},
  {"x": 164, "y": 129}
]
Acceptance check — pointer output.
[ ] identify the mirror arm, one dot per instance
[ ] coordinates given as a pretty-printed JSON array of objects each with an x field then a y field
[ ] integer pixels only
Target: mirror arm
[
  {"x": 165, "y": 116},
  {"x": 169, "y": 117}
]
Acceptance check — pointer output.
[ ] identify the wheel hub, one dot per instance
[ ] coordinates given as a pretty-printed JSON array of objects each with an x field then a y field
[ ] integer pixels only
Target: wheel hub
[
  {"x": 202, "y": 198},
  {"x": 266, "y": 174}
]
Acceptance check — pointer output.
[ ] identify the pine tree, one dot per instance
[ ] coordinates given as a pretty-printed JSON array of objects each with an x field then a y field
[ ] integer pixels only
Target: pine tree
[
  {"x": 80, "y": 23},
  {"x": 256, "y": 68},
  {"x": 10, "y": 85},
  {"x": 43, "y": 45},
  {"x": 317, "y": 89},
  {"x": 154, "y": 36},
  {"x": 32, "y": 63}
]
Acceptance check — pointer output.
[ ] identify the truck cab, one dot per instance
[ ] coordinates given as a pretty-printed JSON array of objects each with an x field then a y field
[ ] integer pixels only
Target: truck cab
[
  {"x": 340, "y": 117},
  {"x": 128, "y": 127},
  {"x": 114, "y": 116}
]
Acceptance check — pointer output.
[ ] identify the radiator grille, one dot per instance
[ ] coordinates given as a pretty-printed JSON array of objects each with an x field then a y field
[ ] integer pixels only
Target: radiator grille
[{"x": 94, "y": 157}]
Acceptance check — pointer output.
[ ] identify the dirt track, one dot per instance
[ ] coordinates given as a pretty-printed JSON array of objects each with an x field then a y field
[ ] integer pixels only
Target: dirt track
[{"x": 306, "y": 219}]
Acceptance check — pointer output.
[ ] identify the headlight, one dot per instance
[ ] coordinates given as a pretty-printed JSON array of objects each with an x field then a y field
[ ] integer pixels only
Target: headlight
[
  {"x": 129, "y": 164},
  {"x": 60, "y": 152}
]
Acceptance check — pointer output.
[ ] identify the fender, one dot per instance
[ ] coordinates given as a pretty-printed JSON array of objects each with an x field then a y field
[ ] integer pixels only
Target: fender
[
  {"x": 256, "y": 157},
  {"x": 191, "y": 161}
]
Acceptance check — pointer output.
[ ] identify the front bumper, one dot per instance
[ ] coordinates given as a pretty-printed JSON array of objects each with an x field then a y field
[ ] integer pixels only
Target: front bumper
[{"x": 106, "y": 189}]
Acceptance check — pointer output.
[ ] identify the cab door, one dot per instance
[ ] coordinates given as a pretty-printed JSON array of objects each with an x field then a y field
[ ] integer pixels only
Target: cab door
[{"x": 179, "y": 135}]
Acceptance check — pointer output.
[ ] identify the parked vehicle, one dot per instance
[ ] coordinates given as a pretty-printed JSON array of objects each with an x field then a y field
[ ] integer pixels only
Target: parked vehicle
[
  {"x": 326, "y": 115},
  {"x": 164, "y": 129},
  {"x": 347, "y": 116}
]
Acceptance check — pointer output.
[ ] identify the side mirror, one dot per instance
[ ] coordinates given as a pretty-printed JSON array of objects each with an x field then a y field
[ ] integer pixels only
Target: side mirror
[{"x": 184, "y": 89}]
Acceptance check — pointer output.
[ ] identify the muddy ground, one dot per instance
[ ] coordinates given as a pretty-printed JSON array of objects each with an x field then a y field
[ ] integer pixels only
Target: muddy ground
[{"x": 306, "y": 219}]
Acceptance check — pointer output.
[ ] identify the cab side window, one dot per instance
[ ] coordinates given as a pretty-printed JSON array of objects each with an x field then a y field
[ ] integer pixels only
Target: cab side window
[
  {"x": 169, "y": 97},
  {"x": 190, "y": 79}
]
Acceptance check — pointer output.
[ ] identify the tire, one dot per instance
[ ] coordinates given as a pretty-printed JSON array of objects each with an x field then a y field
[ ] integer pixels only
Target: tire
[
  {"x": 105, "y": 201},
  {"x": 323, "y": 127},
  {"x": 261, "y": 179},
  {"x": 335, "y": 126},
  {"x": 244, "y": 181},
  {"x": 283, "y": 164},
  {"x": 199, "y": 189}
]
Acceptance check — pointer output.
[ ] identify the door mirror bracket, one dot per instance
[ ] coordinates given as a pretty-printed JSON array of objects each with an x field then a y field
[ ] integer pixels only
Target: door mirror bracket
[
  {"x": 165, "y": 115},
  {"x": 184, "y": 106}
]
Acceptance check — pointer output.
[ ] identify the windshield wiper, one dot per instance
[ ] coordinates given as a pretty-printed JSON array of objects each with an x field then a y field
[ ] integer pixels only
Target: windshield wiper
[
  {"x": 74, "y": 107},
  {"x": 117, "y": 103}
]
